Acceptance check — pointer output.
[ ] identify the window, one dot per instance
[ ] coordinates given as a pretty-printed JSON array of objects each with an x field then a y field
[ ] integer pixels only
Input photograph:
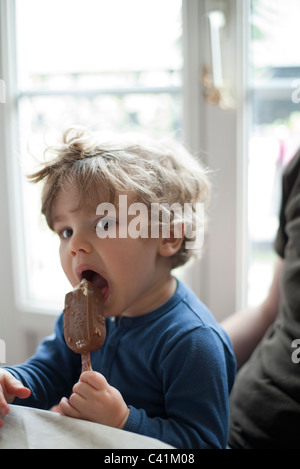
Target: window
[
  {"x": 81, "y": 63},
  {"x": 86, "y": 65},
  {"x": 274, "y": 135}
]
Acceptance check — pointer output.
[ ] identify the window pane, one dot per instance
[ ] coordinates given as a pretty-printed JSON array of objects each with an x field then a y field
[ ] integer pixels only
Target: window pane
[
  {"x": 109, "y": 65},
  {"x": 69, "y": 36},
  {"x": 275, "y": 124}
]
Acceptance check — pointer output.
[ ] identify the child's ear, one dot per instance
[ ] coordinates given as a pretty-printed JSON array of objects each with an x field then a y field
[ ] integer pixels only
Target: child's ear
[{"x": 170, "y": 246}]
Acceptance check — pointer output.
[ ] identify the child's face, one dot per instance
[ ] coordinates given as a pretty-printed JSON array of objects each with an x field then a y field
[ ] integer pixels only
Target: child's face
[{"x": 131, "y": 273}]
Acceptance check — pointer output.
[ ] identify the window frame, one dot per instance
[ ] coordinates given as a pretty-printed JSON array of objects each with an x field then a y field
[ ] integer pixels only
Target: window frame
[{"x": 23, "y": 324}]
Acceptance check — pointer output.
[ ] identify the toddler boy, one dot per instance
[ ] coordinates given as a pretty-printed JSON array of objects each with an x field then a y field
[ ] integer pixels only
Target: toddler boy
[{"x": 166, "y": 367}]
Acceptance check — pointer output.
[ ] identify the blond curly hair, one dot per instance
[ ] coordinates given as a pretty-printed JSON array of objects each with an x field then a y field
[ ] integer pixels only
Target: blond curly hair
[{"x": 152, "y": 171}]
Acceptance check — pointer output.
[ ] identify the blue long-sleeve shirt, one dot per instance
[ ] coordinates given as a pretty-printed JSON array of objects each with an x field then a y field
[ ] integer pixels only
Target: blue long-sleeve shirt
[{"x": 173, "y": 366}]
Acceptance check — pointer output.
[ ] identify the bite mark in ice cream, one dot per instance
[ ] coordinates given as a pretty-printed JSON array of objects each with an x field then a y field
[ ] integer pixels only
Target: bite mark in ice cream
[{"x": 84, "y": 323}]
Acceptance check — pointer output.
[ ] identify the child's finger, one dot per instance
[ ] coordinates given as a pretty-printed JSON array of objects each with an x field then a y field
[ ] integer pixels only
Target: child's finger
[
  {"x": 14, "y": 387},
  {"x": 67, "y": 409},
  {"x": 4, "y": 409},
  {"x": 94, "y": 379}
]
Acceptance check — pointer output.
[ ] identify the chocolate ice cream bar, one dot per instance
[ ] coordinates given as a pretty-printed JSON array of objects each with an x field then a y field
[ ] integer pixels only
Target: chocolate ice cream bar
[{"x": 84, "y": 324}]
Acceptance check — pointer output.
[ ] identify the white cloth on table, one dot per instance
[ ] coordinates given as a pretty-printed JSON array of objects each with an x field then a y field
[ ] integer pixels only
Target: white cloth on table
[{"x": 28, "y": 428}]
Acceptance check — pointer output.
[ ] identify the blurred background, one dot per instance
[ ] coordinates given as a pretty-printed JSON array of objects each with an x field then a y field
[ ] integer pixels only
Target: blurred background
[{"x": 221, "y": 76}]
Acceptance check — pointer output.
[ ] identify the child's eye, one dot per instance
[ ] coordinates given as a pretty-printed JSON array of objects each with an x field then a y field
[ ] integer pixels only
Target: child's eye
[
  {"x": 106, "y": 228},
  {"x": 106, "y": 223},
  {"x": 66, "y": 233}
]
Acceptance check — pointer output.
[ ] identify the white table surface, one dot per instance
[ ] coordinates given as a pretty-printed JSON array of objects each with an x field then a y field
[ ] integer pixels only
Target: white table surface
[{"x": 28, "y": 428}]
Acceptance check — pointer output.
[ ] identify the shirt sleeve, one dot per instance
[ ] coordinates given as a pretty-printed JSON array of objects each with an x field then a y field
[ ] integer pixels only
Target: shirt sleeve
[
  {"x": 197, "y": 375},
  {"x": 50, "y": 373}
]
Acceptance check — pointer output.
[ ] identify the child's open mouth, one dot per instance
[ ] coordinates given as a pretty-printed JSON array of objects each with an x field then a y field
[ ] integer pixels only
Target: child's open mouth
[{"x": 98, "y": 281}]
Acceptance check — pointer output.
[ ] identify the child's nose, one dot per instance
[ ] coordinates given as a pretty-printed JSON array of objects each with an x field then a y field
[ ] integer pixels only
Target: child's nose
[{"x": 80, "y": 243}]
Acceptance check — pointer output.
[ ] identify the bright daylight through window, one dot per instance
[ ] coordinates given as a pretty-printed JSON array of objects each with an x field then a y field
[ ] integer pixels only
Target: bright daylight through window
[
  {"x": 96, "y": 70},
  {"x": 274, "y": 134}
]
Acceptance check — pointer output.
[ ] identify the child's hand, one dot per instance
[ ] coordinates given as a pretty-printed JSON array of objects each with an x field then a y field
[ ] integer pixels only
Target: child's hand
[
  {"x": 95, "y": 400},
  {"x": 10, "y": 388}
]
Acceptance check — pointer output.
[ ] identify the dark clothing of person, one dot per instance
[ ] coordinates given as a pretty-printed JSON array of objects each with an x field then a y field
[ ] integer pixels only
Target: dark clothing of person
[{"x": 265, "y": 401}]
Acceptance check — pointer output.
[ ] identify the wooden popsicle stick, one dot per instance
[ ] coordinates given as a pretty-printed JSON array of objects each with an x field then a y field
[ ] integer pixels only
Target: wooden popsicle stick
[{"x": 86, "y": 362}]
